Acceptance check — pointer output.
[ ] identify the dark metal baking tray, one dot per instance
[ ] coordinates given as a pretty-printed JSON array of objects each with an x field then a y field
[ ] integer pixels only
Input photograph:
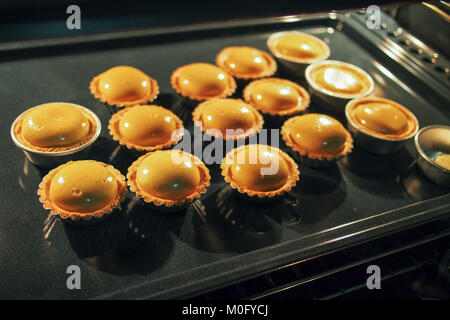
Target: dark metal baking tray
[{"x": 137, "y": 253}]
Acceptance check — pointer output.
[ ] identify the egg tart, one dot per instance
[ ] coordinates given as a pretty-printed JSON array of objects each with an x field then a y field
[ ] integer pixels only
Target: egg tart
[
  {"x": 276, "y": 96},
  {"x": 146, "y": 127},
  {"x": 259, "y": 171},
  {"x": 246, "y": 62},
  {"x": 124, "y": 86},
  {"x": 380, "y": 125},
  {"x": 318, "y": 139},
  {"x": 216, "y": 116},
  {"x": 55, "y": 127},
  {"x": 296, "y": 50},
  {"x": 168, "y": 178},
  {"x": 201, "y": 81},
  {"x": 382, "y": 117},
  {"x": 84, "y": 189},
  {"x": 335, "y": 83}
]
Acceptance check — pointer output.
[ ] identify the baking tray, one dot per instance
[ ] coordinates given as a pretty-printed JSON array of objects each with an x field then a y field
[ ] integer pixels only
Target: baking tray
[{"x": 139, "y": 254}]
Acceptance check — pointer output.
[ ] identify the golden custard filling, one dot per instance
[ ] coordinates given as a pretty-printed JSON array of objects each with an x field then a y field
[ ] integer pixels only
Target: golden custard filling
[
  {"x": 340, "y": 79},
  {"x": 246, "y": 62},
  {"x": 146, "y": 127},
  {"x": 443, "y": 160},
  {"x": 273, "y": 96},
  {"x": 319, "y": 133},
  {"x": 168, "y": 177},
  {"x": 55, "y": 127},
  {"x": 124, "y": 86},
  {"x": 276, "y": 96},
  {"x": 381, "y": 117},
  {"x": 300, "y": 46},
  {"x": 228, "y": 114},
  {"x": 202, "y": 81}
]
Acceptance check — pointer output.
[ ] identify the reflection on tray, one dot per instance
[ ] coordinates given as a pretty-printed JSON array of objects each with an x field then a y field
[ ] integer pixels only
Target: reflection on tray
[
  {"x": 108, "y": 151},
  {"x": 373, "y": 166},
  {"x": 319, "y": 193},
  {"x": 378, "y": 174},
  {"x": 133, "y": 240},
  {"x": 179, "y": 107},
  {"x": 418, "y": 186},
  {"x": 225, "y": 223}
]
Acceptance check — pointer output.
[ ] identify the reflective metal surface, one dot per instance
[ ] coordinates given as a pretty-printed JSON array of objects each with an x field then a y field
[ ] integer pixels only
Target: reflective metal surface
[{"x": 430, "y": 142}]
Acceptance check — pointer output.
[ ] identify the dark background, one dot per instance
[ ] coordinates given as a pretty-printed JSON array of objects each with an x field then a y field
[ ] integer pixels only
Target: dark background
[{"x": 26, "y": 19}]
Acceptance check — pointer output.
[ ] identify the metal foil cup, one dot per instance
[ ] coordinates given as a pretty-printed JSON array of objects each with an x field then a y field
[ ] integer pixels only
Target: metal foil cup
[
  {"x": 431, "y": 141},
  {"x": 293, "y": 66},
  {"x": 373, "y": 143},
  {"x": 333, "y": 101},
  {"x": 48, "y": 159}
]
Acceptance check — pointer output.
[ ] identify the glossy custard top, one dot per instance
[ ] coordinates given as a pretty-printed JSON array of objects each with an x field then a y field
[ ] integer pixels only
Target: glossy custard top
[
  {"x": 381, "y": 117},
  {"x": 170, "y": 175},
  {"x": 275, "y": 96},
  {"x": 147, "y": 125},
  {"x": 318, "y": 133},
  {"x": 223, "y": 114},
  {"x": 245, "y": 61},
  {"x": 55, "y": 125},
  {"x": 248, "y": 168},
  {"x": 300, "y": 46},
  {"x": 202, "y": 80},
  {"x": 340, "y": 79},
  {"x": 124, "y": 83},
  {"x": 83, "y": 186}
]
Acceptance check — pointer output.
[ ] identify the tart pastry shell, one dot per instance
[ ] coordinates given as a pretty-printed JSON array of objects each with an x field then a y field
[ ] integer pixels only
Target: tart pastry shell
[
  {"x": 306, "y": 99},
  {"x": 157, "y": 201},
  {"x": 267, "y": 72},
  {"x": 49, "y": 204},
  {"x": 151, "y": 96},
  {"x": 114, "y": 131},
  {"x": 291, "y": 181},
  {"x": 231, "y": 86},
  {"x": 286, "y": 135},
  {"x": 257, "y": 126}
]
